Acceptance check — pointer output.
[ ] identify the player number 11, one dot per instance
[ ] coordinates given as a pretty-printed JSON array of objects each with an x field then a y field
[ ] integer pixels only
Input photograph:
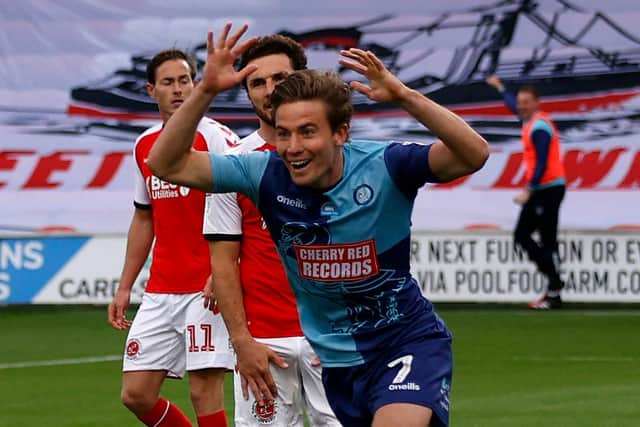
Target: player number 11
[{"x": 208, "y": 342}]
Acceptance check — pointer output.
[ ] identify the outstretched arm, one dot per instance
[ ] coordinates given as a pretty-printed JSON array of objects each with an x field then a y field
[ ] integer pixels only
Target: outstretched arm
[
  {"x": 171, "y": 157},
  {"x": 508, "y": 98},
  {"x": 461, "y": 150}
]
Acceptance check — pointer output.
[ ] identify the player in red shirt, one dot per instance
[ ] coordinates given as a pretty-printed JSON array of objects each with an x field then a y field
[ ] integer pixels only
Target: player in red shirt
[
  {"x": 250, "y": 284},
  {"x": 171, "y": 332}
]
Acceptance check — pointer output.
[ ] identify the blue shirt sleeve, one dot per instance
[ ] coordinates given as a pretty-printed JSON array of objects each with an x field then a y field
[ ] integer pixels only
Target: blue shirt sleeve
[
  {"x": 239, "y": 173},
  {"x": 541, "y": 133},
  {"x": 408, "y": 166},
  {"x": 510, "y": 101}
]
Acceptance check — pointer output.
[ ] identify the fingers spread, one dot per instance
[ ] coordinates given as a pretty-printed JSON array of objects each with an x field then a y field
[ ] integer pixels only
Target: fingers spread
[
  {"x": 245, "y": 387},
  {"x": 246, "y": 71},
  {"x": 277, "y": 359},
  {"x": 210, "y": 43},
  {"x": 254, "y": 389},
  {"x": 244, "y": 46},
  {"x": 222, "y": 41},
  {"x": 360, "y": 87},
  {"x": 236, "y": 36},
  {"x": 354, "y": 66},
  {"x": 375, "y": 61}
]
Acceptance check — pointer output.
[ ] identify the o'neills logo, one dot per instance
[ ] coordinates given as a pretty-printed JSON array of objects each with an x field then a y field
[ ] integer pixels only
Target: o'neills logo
[
  {"x": 337, "y": 263},
  {"x": 408, "y": 386},
  {"x": 296, "y": 203}
]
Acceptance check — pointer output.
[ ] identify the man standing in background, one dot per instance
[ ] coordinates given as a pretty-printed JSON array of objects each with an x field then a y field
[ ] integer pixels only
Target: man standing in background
[
  {"x": 171, "y": 331},
  {"x": 250, "y": 284},
  {"x": 545, "y": 189}
]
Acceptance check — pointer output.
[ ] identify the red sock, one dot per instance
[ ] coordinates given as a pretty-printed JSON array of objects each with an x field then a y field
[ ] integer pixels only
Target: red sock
[
  {"x": 217, "y": 419},
  {"x": 165, "y": 414}
]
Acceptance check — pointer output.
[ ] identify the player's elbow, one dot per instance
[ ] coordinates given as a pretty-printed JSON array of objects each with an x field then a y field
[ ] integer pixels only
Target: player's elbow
[
  {"x": 480, "y": 156},
  {"x": 475, "y": 157},
  {"x": 159, "y": 167},
  {"x": 156, "y": 165}
]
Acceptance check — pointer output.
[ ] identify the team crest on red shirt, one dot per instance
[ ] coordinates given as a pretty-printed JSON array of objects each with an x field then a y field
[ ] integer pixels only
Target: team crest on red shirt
[
  {"x": 133, "y": 348},
  {"x": 265, "y": 413}
]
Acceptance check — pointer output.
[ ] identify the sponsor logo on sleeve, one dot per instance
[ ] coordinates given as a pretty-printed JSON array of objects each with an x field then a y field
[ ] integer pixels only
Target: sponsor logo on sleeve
[{"x": 337, "y": 262}]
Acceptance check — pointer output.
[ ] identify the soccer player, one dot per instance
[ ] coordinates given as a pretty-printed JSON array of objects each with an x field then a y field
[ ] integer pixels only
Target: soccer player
[
  {"x": 172, "y": 331},
  {"x": 339, "y": 212},
  {"x": 545, "y": 189},
  {"x": 251, "y": 288}
]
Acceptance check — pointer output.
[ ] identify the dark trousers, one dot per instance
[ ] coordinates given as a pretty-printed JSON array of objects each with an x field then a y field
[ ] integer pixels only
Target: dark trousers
[{"x": 540, "y": 214}]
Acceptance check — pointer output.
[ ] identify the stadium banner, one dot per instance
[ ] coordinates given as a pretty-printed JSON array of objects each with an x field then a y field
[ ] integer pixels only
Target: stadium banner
[
  {"x": 486, "y": 266},
  {"x": 64, "y": 269},
  {"x": 460, "y": 266},
  {"x": 73, "y": 96}
]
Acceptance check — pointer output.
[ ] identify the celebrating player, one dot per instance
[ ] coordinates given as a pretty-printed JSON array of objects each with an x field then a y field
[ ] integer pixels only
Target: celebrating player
[
  {"x": 251, "y": 287},
  {"x": 339, "y": 212}
]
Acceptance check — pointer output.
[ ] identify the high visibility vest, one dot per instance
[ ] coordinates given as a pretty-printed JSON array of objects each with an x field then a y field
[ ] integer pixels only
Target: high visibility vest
[{"x": 555, "y": 167}]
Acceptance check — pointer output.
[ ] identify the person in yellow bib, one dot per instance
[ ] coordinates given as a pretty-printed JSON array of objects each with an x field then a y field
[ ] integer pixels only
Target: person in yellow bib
[{"x": 545, "y": 190}]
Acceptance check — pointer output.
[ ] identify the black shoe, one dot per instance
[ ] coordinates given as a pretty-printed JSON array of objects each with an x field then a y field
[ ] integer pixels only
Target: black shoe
[{"x": 546, "y": 303}]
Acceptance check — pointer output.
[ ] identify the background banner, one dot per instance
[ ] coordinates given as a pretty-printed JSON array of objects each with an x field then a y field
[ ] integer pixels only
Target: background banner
[
  {"x": 73, "y": 100},
  {"x": 464, "y": 266}
]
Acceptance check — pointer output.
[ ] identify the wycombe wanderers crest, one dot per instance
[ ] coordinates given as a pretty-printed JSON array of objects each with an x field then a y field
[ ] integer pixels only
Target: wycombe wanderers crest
[{"x": 363, "y": 194}]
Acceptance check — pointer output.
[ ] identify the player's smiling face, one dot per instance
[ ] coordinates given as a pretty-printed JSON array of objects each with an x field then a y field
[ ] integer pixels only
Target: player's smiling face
[
  {"x": 311, "y": 151},
  {"x": 172, "y": 87},
  {"x": 272, "y": 69}
]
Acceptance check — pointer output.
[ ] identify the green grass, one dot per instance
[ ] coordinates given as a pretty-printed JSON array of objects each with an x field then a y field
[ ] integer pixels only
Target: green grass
[{"x": 576, "y": 367}]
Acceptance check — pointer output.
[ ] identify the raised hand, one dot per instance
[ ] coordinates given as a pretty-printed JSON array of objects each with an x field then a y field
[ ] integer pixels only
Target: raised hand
[
  {"x": 493, "y": 81},
  {"x": 383, "y": 85},
  {"x": 218, "y": 73}
]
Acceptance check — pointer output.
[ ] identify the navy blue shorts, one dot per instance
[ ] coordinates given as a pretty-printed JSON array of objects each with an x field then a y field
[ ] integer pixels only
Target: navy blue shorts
[{"x": 417, "y": 372}]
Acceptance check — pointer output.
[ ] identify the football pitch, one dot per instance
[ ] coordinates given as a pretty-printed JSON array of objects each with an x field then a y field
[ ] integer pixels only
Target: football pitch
[{"x": 60, "y": 366}]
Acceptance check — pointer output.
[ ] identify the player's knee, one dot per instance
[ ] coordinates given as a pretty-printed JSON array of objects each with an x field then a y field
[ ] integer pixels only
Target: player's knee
[
  {"x": 137, "y": 400},
  {"x": 207, "y": 393}
]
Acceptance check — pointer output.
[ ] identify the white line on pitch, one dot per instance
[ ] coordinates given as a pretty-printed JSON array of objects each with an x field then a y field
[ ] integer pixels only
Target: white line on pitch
[
  {"x": 60, "y": 362},
  {"x": 580, "y": 313},
  {"x": 576, "y": 359}
]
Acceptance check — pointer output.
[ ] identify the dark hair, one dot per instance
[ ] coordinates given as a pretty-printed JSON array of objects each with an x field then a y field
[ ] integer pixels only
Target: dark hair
[
  {"x": 326, "y": 86},
  {"x": 170, "y": 55},
  {"x": 273, "y": 45},
  {"x": 531, "y": 90}
]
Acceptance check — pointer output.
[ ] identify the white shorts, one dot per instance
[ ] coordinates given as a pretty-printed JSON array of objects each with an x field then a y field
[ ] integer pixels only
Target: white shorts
[
  {"x": 174, "y": 332},
  {"x": 299, "y": 389}
]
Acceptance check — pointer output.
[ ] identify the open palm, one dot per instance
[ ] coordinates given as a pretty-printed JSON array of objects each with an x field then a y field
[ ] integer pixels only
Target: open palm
[
  {"x": 218, "y": 73},
  {"x": 383, "y": 85}
]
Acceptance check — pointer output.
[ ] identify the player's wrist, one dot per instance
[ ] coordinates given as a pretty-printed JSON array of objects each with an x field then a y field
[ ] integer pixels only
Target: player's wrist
[
  {"x": 240, "y": 339},
  {"x": 206, "y": 91}
]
